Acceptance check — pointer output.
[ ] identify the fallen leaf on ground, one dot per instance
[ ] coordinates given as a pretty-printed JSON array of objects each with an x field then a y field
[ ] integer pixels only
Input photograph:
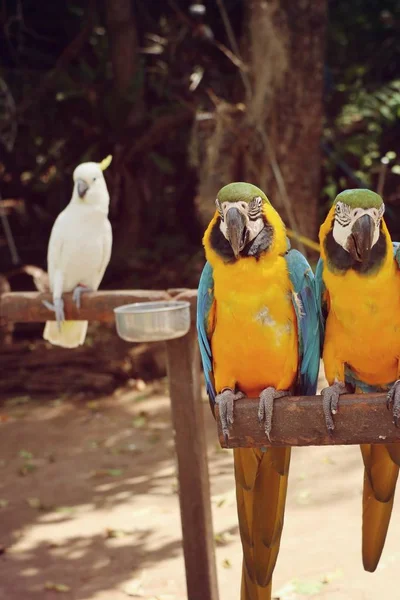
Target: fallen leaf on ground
[
  {"x": 17, "y": 401},
  {"x": 64, "y": 509},
  {"x": 93, "y": 405},
  {"x": 107, "y": 473},
  {"x": 57, "y": 587},
  {"x": 27, "y": 468},
  {"x": 303, "y": 497},
  {"x": 140, "y": 385},
  {"x": 222, "y": 539},
  {"x": 141, "y": 420},
  {"x": 115, "y": 533},
  {"x": 134, "y": 588},
  {"x": 115, "y": 472},
  {"x": 297, "y": 588},
  {"x": 332, "y": 576},
  {"x": 34, "y": 502},
  {"x": 25, "y": 454}
]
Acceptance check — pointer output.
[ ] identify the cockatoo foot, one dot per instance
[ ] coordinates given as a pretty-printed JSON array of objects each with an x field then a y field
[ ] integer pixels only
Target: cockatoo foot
[
  {"x": 393, "y": 402},
  {"x": 330, "y": 402},
  {"x": 266, "y": 407},
  {"x": 77, "y": 293},
  {"x": 58, "y": 308},
  {"x": 225, "y": 401}
]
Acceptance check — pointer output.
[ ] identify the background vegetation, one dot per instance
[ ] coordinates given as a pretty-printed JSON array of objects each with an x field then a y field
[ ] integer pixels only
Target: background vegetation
[{"x": 302, "y": 100}]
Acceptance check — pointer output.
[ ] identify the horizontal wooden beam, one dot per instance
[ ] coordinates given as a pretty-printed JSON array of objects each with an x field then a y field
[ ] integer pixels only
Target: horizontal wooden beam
[
  {"x": 27, "y": 307},
  {"x": 299, "y": 421}
]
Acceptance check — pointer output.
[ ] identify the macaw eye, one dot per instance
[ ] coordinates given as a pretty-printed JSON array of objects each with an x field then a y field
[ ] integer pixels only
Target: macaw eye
[
  {"x": 342, "y": 214},
  {"x": 255, "y": 207}
]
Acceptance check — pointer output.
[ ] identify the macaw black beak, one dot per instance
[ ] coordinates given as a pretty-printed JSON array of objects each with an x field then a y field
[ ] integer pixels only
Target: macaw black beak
[
  {"x": 236, "y": 229},
  {"x": 82, "y": 187},
  {"x": 360, "y": 240}
]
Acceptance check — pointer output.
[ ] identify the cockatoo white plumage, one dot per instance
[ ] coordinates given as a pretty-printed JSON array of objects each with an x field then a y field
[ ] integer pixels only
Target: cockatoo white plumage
[{"x": 79, "y": 250}]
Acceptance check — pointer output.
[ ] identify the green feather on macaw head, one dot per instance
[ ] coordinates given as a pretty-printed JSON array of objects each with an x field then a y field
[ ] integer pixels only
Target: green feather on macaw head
[
  {"x": 241, "y": 192},
  {"x": 359, "y": 198}
]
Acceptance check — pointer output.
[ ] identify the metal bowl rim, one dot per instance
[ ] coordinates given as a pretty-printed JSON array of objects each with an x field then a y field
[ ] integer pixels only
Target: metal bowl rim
[{"x": 136, "y": 306}]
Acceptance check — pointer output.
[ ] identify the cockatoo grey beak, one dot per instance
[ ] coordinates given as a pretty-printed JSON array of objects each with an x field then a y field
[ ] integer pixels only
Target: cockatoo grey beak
[
  {"x": 360, "y": 240},
  {"x": 82, "y": 187},
  {"x": 236, "y": 229}
]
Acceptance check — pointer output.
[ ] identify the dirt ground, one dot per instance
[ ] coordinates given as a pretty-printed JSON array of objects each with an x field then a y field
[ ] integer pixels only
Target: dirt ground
[{"x": 89, "y": 508}]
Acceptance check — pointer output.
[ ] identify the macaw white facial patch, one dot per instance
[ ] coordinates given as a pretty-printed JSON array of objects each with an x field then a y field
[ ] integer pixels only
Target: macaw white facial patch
[
  {"x": 345, "y": 217},
  {"x": 252, "y": 212}
]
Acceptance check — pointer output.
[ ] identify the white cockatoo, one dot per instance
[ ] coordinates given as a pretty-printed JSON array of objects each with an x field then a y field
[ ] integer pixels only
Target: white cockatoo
[{"x": 79, "y": 250}]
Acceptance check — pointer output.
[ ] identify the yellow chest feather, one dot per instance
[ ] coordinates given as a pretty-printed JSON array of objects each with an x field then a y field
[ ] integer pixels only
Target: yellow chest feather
[
  {"x": 363, "y": 325},
  {"x": 254, "y": 342}
]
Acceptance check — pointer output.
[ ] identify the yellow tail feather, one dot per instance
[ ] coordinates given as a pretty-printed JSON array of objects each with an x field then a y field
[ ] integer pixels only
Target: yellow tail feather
[
  {"x": 380, "y": 478},
  {"x": 252, "y": 591},
  {"x": 261, "y": 485},
  {"x": 71, "y": 334}
]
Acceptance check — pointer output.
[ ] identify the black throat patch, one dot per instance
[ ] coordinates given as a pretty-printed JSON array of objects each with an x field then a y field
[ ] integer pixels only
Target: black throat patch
[
  {"x": 255, "y": 248},
  {"x": 340, "y": 260}
]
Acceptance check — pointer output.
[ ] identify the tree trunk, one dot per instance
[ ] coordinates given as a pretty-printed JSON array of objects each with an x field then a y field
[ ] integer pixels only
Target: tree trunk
[
  {"x": 122, "y": 33},
  {"x": 123, "y": 42},
  {"x": 293, "y": 34},
  {"x": 273, "y": 140}
]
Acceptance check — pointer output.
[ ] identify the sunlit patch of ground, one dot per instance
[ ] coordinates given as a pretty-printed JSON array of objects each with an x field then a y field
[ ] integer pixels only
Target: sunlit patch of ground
[{"x": 89, "y": 508}]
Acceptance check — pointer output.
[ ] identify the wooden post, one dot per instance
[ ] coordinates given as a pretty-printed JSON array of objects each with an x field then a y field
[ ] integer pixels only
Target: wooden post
[{"x": 183, "y": 364}]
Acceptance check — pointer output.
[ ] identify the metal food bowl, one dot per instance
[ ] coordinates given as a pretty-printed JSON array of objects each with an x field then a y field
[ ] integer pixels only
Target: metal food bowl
[{"x": 152, "y": 321}]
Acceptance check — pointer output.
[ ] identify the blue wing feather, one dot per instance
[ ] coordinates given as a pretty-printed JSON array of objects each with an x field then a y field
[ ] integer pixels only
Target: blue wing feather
[
  {"x": 205, "y": 301},
  {"x": 396, "y": 252},
  {"x": 306, "y": 308}
]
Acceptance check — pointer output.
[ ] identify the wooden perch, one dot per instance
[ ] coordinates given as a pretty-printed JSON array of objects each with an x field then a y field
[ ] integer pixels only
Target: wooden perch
[
  {"x": 299, "y": 421},
  {"x": 27, "y": 307}
]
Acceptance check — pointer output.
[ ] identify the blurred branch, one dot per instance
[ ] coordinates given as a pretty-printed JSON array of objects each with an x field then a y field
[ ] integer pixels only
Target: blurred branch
[
  {"x": 235, "y": 46},
  {"x": 280, "y": 182},
  {"x": 236, "y": 60},
  {"x": 157, "y": 132},
  {"x": 8, "y": 233}
]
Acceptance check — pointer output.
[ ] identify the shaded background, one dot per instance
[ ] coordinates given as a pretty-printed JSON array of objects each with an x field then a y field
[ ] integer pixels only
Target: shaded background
[{"x": 301, "y": 99}]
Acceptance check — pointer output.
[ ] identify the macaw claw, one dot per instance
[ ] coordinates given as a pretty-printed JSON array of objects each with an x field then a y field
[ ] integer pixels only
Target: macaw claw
[
  {"x": 393, "y": 402},
  {"x": 225, "y": 401},
  {"x": 266, "y": 407},
  {"x": 77, "y": 294},
  {"x": 330, "y": 402},
  {"x": 58, "y": 308}
]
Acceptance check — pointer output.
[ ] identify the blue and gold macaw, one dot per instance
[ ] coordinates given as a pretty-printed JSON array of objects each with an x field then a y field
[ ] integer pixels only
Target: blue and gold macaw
[
  {"x": 358, "y": 287},
  {"x": 258, "y": 330}
]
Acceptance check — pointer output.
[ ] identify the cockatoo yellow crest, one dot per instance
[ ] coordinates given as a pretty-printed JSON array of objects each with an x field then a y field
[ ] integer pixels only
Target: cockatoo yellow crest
[{"x": 105, "y": 163}]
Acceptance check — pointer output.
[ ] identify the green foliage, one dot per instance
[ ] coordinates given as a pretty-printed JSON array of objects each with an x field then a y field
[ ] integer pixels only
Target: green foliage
[
  {"x": 362, "y": 95},
  {"x": 60, "y": 106}
]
